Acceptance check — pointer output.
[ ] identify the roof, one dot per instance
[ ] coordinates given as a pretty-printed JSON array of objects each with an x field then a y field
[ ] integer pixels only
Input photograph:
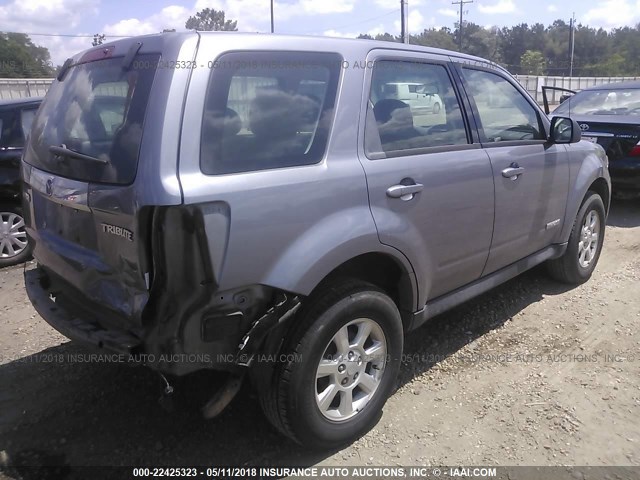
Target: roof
[
  {"x": 323, "y": 43},
  {"x": 20, "y": 101},
  {"x": 616, "y": 85},
  {"x": 371, "y": 44}
]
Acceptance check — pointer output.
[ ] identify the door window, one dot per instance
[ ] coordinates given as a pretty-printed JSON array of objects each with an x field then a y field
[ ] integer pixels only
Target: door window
[
  {"x": 10, "y": 135},
  {"x": 505, "y": 114},
  {"x": 412, "y": 106}
]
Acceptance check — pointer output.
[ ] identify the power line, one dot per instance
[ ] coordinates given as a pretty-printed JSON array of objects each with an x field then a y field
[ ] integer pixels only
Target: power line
[
  {"x": 394, "y": 11},
  {"x": 68, "y": 35}
]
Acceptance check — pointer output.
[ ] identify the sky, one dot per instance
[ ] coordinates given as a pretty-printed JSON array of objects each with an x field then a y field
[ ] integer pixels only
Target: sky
[{"x": 344, "y": 18}]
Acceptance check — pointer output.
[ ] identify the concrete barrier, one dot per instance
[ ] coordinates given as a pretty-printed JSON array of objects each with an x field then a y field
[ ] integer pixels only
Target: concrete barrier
[{"x": 11, "y": 88}]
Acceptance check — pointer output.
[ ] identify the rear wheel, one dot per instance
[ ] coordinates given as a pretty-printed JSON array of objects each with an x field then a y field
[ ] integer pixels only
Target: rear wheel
[
  {"x": 343, "y": 360},
  {"x": 585, "y": 243},
  {"x": 14, "y": 247}
]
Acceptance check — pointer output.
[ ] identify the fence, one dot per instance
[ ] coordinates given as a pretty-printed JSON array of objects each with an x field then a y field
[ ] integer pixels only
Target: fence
[
  {"x": 533, "y": 84},
  {"x": 23, "y": 87},
  {"x": 36, "y": 87}
]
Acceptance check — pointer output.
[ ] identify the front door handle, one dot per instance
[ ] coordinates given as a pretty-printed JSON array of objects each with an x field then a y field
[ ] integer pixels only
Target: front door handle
[
  {"x": 404, "y": 192},
  {"x": 512, "y": 172}
]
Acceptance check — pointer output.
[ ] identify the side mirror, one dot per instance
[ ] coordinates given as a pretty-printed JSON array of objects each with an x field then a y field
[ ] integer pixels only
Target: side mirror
[{"x": 564, "y": 130}]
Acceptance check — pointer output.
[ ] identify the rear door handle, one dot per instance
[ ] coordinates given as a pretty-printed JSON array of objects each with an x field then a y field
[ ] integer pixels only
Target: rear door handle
[
  {"x": 404, "y": 192},
  {"x": 512, "y": 172}
]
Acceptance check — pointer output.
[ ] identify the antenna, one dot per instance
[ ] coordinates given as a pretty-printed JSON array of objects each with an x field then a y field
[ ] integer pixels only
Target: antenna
[{"x": 462, "y": 3}]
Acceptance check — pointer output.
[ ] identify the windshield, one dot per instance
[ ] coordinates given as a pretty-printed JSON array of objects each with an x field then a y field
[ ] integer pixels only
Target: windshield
[
  {"x": 602, "y": 102},
  {"x": 97, "y": 110}
]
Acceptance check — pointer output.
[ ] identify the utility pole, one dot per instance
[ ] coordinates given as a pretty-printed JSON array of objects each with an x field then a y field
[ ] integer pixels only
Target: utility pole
[
  {"x": 271, "y": 16},
  {"x": 572, "y": 43},
  {"x": 404, "y": 20},
  {"x": 462, "y": 3}
]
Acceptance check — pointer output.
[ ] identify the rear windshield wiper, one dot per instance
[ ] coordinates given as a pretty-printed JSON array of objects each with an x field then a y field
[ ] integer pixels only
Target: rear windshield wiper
[{"x": 63, "y": 151}]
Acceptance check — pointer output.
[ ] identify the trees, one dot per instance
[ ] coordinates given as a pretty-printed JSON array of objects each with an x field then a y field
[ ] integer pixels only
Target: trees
[
  {"x": 536, "y": 49},
  {"x": 437, "y": 38},
  {"x": 532, "y": 63},
  {"x": 20, "y": 58},
  {"x": 98, "y": 39},
  {"x": 210, "y": 20}
]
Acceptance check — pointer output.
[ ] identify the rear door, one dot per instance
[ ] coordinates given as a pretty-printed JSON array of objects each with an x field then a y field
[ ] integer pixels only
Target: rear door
[
  {"x": 430, "y": 185},
  {"x": 79, "y": 168},
  {"x": 11, "y": 143},
  {"x": 531, "y": 175}
]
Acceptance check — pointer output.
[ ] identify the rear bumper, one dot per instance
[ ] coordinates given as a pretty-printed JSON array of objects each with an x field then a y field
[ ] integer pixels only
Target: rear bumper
[
  {"x": 625, "y": 174},
  {"x": 208, "y": 340},
  {"x": 84, "y": 330}
]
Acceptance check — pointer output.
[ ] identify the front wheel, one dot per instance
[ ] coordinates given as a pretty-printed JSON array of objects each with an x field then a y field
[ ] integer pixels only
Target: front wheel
[
  {"x": 344, "y": 360},
  {"x": 585, "y": 243}
]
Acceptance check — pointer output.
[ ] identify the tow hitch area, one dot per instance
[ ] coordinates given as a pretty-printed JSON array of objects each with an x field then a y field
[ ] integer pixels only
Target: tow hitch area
[{"x": 281, "y": 312}]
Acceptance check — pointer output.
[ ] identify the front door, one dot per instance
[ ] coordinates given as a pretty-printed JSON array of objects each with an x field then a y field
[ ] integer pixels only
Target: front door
[{"x": 531, "y": 175}]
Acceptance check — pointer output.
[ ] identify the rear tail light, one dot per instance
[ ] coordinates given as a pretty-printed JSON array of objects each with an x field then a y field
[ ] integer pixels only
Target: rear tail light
[{"x": 635, "y": 151}]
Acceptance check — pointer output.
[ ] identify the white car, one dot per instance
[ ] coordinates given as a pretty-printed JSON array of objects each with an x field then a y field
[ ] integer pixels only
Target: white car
[{"x": 418, "y": 96}]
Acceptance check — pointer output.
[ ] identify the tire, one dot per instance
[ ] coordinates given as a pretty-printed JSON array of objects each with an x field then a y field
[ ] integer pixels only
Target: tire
[
  {"x": 292, "y": 403},
  {"x": 14, "y": 247},
  {"x": 578, "y": 263},
  {"x": 436, "y": 108}
]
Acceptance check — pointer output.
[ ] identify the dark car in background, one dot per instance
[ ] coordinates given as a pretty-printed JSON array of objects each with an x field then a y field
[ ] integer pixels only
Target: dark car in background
[
  {"x": 16, "y": 117},
  {"x": 610, "y": 116}
]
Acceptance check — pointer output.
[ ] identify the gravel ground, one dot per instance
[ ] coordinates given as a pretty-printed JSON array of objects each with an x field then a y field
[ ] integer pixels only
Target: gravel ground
[{"x": 532, "y": 373}]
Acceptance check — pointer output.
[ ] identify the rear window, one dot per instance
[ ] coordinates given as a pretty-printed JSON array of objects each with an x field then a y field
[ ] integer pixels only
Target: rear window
[
  {"x": 602, "y": 102},
  {"x": 268, "y": 110},
  {"x": 97, "y": 110}
]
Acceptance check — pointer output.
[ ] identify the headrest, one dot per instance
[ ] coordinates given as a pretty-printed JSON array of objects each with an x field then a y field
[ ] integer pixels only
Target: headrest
[
  {"x": 393, "y": 113},
  {"x": 276, "y": 114},
  {"x": 226, "y": 122}
]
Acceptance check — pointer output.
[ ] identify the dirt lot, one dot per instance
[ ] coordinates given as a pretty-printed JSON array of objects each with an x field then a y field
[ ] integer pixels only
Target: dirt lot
[{"x": 533, "y": 373}]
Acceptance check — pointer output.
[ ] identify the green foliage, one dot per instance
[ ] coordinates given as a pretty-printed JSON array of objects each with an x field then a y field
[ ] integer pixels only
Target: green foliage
[
  {"x": 209, "y": 20},
  {"x": 532, "y": 62},
  {"x": 542, "y": 50},
  {"x": 20, "y": 58},
  {"x": 441, "y": 38}
]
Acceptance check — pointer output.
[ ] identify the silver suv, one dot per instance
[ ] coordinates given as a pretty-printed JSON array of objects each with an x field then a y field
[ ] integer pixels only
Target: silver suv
[{"x": 257, "y": 204}]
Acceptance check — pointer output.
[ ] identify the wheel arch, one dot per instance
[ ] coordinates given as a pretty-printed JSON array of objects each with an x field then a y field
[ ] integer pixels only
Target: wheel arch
[
  {"x": 383, "y": 270},
  {"x": 591, "y": 175},
  {"x": 601, "y": 187}
]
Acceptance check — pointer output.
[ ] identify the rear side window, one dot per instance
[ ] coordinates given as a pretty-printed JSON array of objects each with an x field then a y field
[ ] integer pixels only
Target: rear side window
[
  {"x": 267, "y": 110},
  {"x": 97, "y": 110},
  {"x": 426, "y": 114}
]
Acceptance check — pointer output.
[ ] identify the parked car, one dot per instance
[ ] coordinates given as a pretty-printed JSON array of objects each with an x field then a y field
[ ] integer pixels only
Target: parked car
[
  {"x": 609, "y": 115},
  {"x": 421, "y": 98},
  {"x": 265, "y": 211},
  {"x": 16, "y": 117}
]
